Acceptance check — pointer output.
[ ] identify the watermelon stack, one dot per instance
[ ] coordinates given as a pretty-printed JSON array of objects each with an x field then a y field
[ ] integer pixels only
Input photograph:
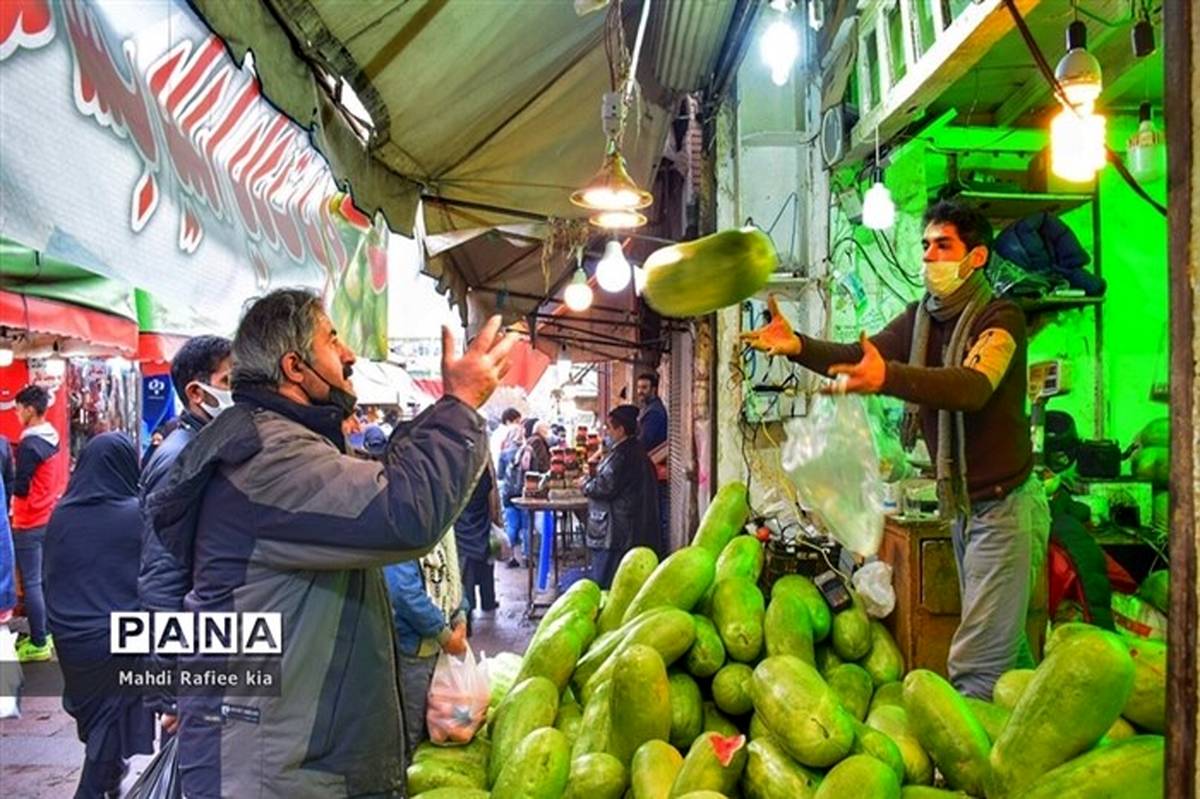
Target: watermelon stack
[{"x": 686, "y": 681}]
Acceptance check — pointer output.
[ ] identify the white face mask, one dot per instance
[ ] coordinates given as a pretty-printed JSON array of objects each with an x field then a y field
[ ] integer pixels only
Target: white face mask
[
  {"x": 222, "y": 396},
  {"x": 943, "y": 278}
]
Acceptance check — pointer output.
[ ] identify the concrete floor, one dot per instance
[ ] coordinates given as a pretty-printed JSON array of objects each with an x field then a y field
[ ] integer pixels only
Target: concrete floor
[{"x": 40, "y": 755}]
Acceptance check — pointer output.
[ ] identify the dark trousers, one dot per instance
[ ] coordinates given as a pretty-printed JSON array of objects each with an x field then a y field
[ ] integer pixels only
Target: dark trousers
[
  {"x": 100, "y": 779},
  {"x": 28, "y": 546},
  {"x": 604, "y": 566},
  {"x": 479, "y": 574}
]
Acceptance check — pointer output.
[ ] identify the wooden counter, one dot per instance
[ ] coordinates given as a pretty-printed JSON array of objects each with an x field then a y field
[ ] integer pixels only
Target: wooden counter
[{"x": 921, "y": 554}]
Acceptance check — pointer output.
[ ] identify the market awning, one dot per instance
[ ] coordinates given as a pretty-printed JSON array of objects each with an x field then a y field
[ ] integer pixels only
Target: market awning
[
  {"x": 485, "y": 112},
  {"x": 74, "y": 329},
  {"x": 383, "y": 383}
]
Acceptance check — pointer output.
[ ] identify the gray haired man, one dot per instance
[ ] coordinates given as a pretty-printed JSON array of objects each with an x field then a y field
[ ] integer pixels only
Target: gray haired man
[{"x": 274, "y": 516}]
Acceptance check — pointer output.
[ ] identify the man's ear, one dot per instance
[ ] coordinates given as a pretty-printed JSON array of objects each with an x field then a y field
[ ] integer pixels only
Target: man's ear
[
  {"x": 292, "y": 367},
  {"x": 193, "y": 394},
  {"x": 978, "y": 257}
]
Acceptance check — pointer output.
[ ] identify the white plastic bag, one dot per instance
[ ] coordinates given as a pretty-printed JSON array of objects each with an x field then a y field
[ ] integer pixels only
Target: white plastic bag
[
  {"x": 830, "y": 457},
  {"x": 11, "y": 677},
  {"x": 873, "y": 583},
  {"x": 458, "y": 699}
]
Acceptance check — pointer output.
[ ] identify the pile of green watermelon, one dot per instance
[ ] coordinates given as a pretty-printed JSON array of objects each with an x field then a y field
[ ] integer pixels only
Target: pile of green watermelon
[{"x": 683, "y": 681}]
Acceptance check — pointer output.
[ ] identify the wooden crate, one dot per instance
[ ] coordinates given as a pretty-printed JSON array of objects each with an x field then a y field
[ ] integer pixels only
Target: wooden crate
[{"x": 928, "y": 606}]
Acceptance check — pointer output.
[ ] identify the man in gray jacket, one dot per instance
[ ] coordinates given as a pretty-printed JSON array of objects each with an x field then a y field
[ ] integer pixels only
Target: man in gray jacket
[{"x": 273, "y": 516}]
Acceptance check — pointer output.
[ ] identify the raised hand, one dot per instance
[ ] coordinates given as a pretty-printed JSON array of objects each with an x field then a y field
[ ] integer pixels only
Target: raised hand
[
  {"x": 456, "y": 644},
  {"x": 864, "y": 377},
  {"x": 473, "y": 376},
  {"x": 776, "y": 337}
]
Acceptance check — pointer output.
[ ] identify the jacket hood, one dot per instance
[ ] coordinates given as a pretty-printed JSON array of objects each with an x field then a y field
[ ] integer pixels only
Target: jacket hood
[{"x": 44, "y": 431}]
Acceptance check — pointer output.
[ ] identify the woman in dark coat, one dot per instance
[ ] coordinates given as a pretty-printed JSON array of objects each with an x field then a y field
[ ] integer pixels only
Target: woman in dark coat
[
  {"x": 93, "y": 546},
  {"x": 622, "y": 499}
]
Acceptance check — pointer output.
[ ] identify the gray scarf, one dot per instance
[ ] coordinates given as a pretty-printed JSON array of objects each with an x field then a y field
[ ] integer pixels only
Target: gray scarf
[{"x": 967, "y": 303}]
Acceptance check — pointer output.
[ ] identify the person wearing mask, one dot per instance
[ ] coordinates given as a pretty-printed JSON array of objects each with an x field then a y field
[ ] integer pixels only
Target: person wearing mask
[
  {"x": 200, "y": 376},
  {"x": 91, "y": 570},
  {"x": 653, "y": 432},
  {"x": 270, "y": 514},
  {"x": 958, "y": 358},
  {"x": 622, "y": 498},
  {"x": 430, "y": 615},
  {"x": 36, "y": 491}
]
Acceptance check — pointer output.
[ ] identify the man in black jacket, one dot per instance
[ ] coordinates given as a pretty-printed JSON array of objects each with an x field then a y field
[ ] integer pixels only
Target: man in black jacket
[
  {"x": 622, "y": 498},
  {"x": 200, "y": 374}
]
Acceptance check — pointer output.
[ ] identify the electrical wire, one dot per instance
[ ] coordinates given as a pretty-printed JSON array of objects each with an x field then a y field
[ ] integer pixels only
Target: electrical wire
[{"x": 1044, "y": 67}]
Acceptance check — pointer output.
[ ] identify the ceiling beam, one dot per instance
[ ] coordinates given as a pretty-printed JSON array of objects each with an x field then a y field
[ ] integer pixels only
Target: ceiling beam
[
  {"x": 959, "y": 48},
  {"x": 1112, "y": 49}
]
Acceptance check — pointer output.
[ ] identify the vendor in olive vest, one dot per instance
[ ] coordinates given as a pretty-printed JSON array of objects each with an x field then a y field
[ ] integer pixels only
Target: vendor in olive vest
[{"x": 958, "y": 358}]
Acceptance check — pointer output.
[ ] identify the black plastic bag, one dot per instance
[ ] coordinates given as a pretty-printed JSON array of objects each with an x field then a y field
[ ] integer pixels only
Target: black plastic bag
[{"x": 160, "y": 780}]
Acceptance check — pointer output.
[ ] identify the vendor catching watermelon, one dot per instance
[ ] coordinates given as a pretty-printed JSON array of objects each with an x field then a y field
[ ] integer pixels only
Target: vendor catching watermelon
[{"x": 958, "y": 359}]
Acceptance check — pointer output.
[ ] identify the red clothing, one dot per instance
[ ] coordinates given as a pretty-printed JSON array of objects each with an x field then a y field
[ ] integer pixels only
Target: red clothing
[{"x": 36, "y": 485}]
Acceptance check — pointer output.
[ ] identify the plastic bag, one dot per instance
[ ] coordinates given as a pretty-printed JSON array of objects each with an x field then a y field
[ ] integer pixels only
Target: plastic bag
[
  {"x": 499, "y": 547},
  {"x": 458, "y": 699},
  {"x": 11, "y": 676},
  {"x": 1135, "y": 616},
  {"x": 160, "y": 780},
  {"x": 830, "y": 457},
  {"x": 873, "y": 583}
]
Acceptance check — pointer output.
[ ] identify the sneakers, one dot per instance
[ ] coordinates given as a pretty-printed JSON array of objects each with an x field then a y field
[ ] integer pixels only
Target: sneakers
[{"x": 28, "y": 653}]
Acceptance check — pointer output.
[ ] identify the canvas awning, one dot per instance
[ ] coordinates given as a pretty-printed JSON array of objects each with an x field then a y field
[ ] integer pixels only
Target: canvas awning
[{"x": 475, "y": 109}]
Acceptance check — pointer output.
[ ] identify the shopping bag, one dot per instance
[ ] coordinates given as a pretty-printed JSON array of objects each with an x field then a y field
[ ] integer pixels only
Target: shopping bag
[
  {"x": 831, "y": 459},
  {"x": 160, "y": 780},
  {"x": 499, "y": 548},
  {"x": 11, "y": 677},
  {"x": 458, "y": 699}
]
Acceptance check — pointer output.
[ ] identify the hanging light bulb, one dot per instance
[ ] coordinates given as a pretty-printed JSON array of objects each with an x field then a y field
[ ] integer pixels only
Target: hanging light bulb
[
  {"x": 1147, "y": 149},
  {"x": 878, "y": 212},
  {"x": 1077, "y": 138},
  {"x": 6, "y": 354},
  {"x": 780, "y": 47},
  {"x": 612, "y": 273},
  {"x": 578, "y": 295},
  {"x": 1078, "y": 71},
  {"x": 55, "y": 365}
]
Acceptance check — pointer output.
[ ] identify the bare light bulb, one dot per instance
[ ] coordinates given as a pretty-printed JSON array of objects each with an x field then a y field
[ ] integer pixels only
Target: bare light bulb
[
  {"x": 780, "y": 46},
  {"x": 878, "y": 211},
  {"x": 1077, "y": 138},
  {"x": 55, "y": 366},
  {"x": 612, "y": 273},
  {"x": 1147, "y": 149},
  {"x": 578, "y": 295},
  {"x": 6, "y": 354},
  {"x": 564, "y": 365},
  {"x": 639, "y": 279}
]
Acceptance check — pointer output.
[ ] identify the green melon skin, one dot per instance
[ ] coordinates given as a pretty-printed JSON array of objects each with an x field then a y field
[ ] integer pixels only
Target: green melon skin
[
  {"x": 539, "y": 768},
  {"x": 634, "y": 569},
  {"x": 852, "y": 685},
  {"x": 530, "y": 705},
  {"x": 947, "y": 730},
  {"x": 695, "y": 278},
  {"x": 787, "y": 628},
  {"x": 655, "y": 766},
  {"x": 1129, "y": 769},
  {"x": 1076, "y": 694},
  {"x": 596, "y": 776},
  {"x": 687, "y": 710},
  {"x": 820, "y": 616},
  {"x": 640, "y": 703},
  {"x": 707, "y": 653},
  {"x": 724, "y": 518},
  {"x": 859, "y": 775},
  {"x": 883, "y": 662},
  {"x": 771, "y": 774},
  {"x": 738, "y": 611},
  {"x": 731, "y": 689},
  {"x": 801, "y": 711},
  {"x": 851, "y": 632},
  {"x": 679, "y": 581},
  {"x": 703, "y": 770}
]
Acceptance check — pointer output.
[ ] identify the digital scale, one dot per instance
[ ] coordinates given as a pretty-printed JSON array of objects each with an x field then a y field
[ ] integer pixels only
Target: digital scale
[{"x": 1047, "y": 379}]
